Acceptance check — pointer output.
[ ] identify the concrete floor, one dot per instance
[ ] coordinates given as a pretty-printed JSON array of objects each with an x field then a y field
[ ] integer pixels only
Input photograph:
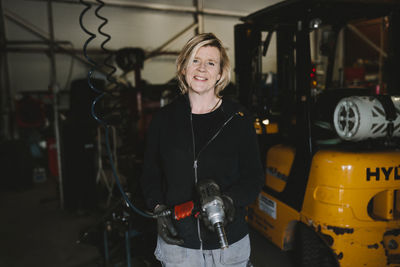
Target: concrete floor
[{"x": 35, "y": 232}]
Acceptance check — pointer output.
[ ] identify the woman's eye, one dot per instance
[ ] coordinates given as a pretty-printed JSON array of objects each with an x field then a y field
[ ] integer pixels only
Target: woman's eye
[
  {"x": 195, "y": 60},
  {"x": 211, "y": 63}
]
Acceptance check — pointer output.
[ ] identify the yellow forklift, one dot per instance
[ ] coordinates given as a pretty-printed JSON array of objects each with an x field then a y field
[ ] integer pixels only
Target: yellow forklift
[{"x": 329, "y": 128}]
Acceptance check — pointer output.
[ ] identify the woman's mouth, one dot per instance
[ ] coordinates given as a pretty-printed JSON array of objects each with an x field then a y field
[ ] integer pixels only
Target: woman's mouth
[{"x": 199, "y": 78}]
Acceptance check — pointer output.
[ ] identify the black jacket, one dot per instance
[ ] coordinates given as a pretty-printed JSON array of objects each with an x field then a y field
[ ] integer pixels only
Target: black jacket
[{"x": 232, "y": 160}]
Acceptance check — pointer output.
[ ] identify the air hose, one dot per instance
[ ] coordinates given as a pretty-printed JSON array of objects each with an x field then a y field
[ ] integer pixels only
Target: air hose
[{"x": 102, "y": 93}]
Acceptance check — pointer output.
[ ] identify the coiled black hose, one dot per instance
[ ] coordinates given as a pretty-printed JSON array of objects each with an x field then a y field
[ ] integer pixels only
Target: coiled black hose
[
  {"x": 103, "y": 93},
  {"x": 108, "y": 38}
]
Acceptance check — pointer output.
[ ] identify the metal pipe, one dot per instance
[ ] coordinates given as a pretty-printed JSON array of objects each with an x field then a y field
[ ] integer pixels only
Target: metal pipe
[
  {"x": 35, "y": 31},
  {"x": 54, "y": 90},
  {"x": 6, "y": 103},
  {"x": 42, "y": 35},
  {"x": 29, "y": 42},
  {"x": 381, "y": 44},
  {"x": 365, "y": 39},
  {"x": 25, "y": 24},
  {"x": 158, "y": 7},
  {"x": 53, "y": 70},
  {"x": 128, "y": 248},
  {"x": 76, "y": 51},
  {"x": 176, "y": 36},
  {"x": 58, "y": 47},
  {"x": 200, "y": 16}
]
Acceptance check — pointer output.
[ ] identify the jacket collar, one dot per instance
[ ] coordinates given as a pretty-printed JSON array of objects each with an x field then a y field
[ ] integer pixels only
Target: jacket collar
[{"x": 228, "y": 106}]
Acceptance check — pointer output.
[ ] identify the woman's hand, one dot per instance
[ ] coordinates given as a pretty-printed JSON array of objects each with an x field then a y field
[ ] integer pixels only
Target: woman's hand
[{"x": 165, "y": 227}]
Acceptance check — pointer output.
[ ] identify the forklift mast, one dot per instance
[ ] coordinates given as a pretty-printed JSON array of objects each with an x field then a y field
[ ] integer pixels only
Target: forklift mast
[{"x": 247, "y": 58}]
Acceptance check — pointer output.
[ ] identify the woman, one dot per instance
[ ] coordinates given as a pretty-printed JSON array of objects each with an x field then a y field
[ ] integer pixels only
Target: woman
[{"x": 201, "y": 136}]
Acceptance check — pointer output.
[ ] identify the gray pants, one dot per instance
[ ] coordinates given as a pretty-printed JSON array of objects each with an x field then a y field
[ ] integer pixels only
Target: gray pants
[{"x": 236, "y": 255}]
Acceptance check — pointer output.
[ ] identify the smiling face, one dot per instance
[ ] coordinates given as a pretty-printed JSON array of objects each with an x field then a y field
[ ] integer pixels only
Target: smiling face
[{"x": 203, "y": 72}]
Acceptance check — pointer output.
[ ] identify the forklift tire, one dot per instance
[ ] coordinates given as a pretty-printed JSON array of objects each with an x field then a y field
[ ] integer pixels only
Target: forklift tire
[{"x": 310, "y": 250}]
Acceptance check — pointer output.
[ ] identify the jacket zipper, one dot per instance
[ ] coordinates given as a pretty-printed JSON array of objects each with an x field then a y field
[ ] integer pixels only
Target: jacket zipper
[{"x": 195, "y": 159}]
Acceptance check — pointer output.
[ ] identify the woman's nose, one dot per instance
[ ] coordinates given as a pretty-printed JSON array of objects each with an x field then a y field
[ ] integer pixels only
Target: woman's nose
[{"x": 202, "y": 66}]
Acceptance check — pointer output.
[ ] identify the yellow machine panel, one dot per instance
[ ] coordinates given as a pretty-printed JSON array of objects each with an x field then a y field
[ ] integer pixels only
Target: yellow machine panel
[
  {"x": 351, "y": 201},
  {"x": 274, "y": 219},
  {"x": 350, "y": 197},
  {"x": 345, "y": 182},
  {"x": 279, "y": 162}
]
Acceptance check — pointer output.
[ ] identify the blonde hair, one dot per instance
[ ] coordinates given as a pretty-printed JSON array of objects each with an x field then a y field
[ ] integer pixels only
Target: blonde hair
[{"x": 189, "y": 52}]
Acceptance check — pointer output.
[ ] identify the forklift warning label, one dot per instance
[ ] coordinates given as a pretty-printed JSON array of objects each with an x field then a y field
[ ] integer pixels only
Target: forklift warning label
[{"x": 267, "y": 205}]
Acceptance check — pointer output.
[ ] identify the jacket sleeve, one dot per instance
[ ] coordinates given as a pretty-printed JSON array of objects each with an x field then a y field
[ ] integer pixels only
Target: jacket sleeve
[
  {"x": 151, "y": 179},
  {"x": 251, "y": 180}
]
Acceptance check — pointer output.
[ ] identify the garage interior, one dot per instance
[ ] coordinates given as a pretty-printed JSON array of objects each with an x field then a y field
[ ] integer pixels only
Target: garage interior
[{"x": 60, "y": 200}]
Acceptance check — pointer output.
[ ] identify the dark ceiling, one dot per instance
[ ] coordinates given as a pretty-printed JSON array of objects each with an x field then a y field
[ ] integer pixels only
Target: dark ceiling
[{"x": 288, "y": 13}]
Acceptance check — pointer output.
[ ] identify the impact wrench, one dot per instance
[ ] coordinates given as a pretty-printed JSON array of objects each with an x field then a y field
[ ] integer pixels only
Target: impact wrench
[{"x": 210, "y": 205}]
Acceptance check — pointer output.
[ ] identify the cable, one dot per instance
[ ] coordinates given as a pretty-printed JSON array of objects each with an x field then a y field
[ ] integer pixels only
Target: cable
[
  {"x": 92, "y": 36},
  {"x": 102, "y": 93},
  {"x": 108, "y": 38},
  {"x": 94, "y": 63},
  {"x": 118, "y": 182}
]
